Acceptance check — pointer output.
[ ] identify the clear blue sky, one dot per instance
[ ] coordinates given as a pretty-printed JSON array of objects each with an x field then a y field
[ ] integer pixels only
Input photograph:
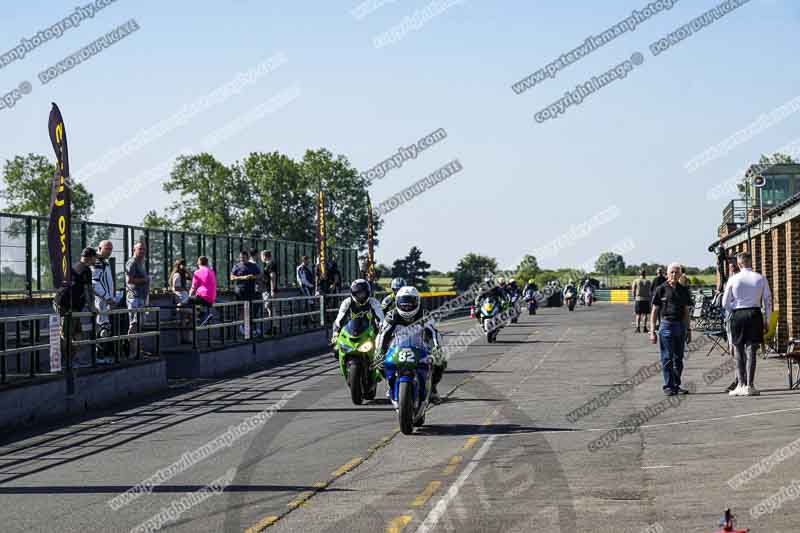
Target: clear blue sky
[{"x": 523, "y": 183}]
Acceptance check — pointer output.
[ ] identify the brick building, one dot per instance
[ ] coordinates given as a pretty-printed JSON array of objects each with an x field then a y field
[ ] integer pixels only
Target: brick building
[{"x": 773, "y": 240}]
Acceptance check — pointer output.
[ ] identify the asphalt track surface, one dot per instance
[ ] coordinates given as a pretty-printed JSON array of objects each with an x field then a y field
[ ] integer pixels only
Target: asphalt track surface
[{"x": 498, "y": 454}]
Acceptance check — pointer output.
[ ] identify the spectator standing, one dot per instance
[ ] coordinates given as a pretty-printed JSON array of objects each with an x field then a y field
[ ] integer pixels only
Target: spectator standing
[
  {"x": 305, "y": 278},
  {"x": 269, "y": 285},
  {"x": 641, "y": 300},
  {"x": 745, "y": 295},
  {"x": 671, "y": 302},
  {"x": 74, "y": 298},
  {"x": 244, "y": 276},
  {"x": 104, "y": 296},
  {"x": 179, "y": 286},
  {"x": 659, "y": 280},
  {"x": 335, "y": 276},
  {"x": 305, "y": 281},
  {"x": 204, "y": 289},
  {"x": 137, "y": 287}
]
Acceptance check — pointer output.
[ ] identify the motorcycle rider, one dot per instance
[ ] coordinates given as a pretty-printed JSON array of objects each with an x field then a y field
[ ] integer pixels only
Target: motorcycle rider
[
  {"x": 586, "y": 289},
  {"x": 512, "y": 289},
  {"x": 497, "y": 292},
  {"x": 529, "y": 292},
  {"x": 408, "y": 311},
  {"x": 359, "y": 301},
  {"x": 570, "y": 286},
  {"x": 389, "y": 300}
]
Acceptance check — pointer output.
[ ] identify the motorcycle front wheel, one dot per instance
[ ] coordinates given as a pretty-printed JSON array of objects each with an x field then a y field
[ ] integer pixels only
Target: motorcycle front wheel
[
  {"x": 354, "y": 380},
  {"x": 405, "y": 404}
]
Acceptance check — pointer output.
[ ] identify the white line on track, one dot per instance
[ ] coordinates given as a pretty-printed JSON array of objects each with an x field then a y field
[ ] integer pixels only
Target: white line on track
[
  {"x": 665, "y": 424},
  {"x": 440, "y": 508}
]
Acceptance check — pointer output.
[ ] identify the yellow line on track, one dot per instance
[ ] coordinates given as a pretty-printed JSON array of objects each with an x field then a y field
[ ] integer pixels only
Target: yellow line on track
[
  {"x": 452, "y": 465},
  {"x": 470, "y": 443},
  {"x": 263, "y": 523},
  {"x": 397, "y": 525},
  {"x": 301, "y": 499},
  {"x": 426, "y": 494},
  {"x": 342, "y": 470}
]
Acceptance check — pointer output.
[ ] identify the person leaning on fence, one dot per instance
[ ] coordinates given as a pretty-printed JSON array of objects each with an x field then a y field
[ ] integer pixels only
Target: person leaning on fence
[
  {"x": 244, "y": 275},
  {"x": 671, "y": 301},
  {"x": 73, "y": 298},
  {"x": 745, "y": 294},
  {"x": 137, "y": 287},
  {"x": 305, "y": 281},
  {"x": 104, "y": 295},
  {"x": 179, "y": 286},
  {"x": 641, "y": 296},
  {"x": 269, "y": 284},
  {"x": 204, "y": 289}
]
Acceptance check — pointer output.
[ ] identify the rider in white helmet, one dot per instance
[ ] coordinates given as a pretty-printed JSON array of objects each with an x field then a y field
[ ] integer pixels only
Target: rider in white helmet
[{"x": 408, "y": 311}]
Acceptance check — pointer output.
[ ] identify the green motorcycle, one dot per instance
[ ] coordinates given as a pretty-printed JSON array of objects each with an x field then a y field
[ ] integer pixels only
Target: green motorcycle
[{"x": 356, "y": 347}]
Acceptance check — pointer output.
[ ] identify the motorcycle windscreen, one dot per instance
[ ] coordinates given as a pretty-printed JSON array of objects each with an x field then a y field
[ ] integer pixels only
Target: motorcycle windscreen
[
  {"x": 408, "y": 337},
  {"x": 357, "y": 326}
]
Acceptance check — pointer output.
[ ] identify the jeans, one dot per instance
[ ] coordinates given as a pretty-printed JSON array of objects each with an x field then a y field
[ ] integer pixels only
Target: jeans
[{"x": 672, "y": 341}]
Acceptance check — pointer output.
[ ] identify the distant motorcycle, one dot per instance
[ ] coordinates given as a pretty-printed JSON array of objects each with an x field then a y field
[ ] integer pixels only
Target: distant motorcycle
[
  {"x": 530, "y": 297},
  {"x": 571, "y": 298},
  {"x": 587, "y": 297},
  {"x": 489, "y": 312},
  {"x": 515, "y": 307}
]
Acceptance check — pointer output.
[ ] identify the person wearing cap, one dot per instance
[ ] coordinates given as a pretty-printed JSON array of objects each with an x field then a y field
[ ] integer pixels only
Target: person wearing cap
[{"x": 77, "y": 296}]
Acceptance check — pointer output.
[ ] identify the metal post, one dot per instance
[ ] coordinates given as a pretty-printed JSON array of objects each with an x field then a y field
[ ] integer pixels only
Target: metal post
[
  {"x": 94, "y": 338},
  {"x": 3, "y": 348},
  {"x": 321, "y": 311},
  {"x": 194, "y": 326},
  {"x": 158, "y": 337},
  {"x": 28, "y": 257}
]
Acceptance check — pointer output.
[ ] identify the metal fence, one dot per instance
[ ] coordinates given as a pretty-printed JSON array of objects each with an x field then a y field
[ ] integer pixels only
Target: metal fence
[{"x": 25, "y": 264}]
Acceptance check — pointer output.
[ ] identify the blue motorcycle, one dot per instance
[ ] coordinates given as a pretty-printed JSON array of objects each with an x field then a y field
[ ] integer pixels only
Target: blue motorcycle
[{"x": 408, "y": 372}]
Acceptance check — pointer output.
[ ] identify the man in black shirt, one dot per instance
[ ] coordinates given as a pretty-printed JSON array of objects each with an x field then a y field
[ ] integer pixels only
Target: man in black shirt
[
  {"x": 671, "y": 302},
  {"x": 75, "y": 297},
  {"x": 244, "y": 275}
]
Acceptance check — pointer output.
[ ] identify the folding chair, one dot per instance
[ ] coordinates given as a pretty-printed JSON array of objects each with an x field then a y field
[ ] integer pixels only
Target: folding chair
[
  {"x": 770, "y": 346},
  {"x": 793, "y": 358}
]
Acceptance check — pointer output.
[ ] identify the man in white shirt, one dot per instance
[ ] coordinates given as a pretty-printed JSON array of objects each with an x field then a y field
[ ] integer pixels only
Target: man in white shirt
[
  {"x": 103, "y": 283},
  {"x": 745, "y": 294}
]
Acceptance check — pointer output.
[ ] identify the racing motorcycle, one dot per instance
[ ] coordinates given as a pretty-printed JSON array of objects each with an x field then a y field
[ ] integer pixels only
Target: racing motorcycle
[
  {"x": 408, "y": 368},
  {"x": 530, "y": 297},
  {"x": 587, "y": 296},
  {"x": 570, "y": 298},
  {"x": 356, "y": 347},
  {"x": 489, "y": 315},
  {"x": 513, "y": 305}
]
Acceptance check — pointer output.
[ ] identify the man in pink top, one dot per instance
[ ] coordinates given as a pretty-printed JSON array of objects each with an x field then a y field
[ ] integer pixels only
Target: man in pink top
[{"x": 204, "y": 288}]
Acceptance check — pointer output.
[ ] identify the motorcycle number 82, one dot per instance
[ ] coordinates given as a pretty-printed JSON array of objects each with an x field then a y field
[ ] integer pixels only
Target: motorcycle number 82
[{"x": 406, "y": 356}]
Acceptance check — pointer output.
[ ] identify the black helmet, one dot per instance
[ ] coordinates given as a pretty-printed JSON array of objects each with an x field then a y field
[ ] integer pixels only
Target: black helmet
[{"x": 360, "y": 290}]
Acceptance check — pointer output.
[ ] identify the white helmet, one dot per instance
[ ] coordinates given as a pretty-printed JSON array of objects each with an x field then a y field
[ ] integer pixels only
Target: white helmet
[{"x": 407, "y": 302}]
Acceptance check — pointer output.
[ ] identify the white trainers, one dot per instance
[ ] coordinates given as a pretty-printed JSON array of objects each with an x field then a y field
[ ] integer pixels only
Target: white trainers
[
  {"x": 752, "y": 390},
  {"x": 738, "y": 391}
]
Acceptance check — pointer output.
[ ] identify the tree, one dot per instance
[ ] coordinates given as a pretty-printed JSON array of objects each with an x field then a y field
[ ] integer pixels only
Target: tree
[
  {"x": 208, "y": 195},
  {"x": 346, "y": 197},
  {"x": 27, "y": 186},
  {"x": 413, "y": 269},
  {"x": 155, "y": 221},
  {"x": 471, "y": 269},
  {"x": 278, "y": 200},
  {"x": 271, "y": 194},
  {"x": 610, "y": 264},
  {"x": 527, "y": 269}
]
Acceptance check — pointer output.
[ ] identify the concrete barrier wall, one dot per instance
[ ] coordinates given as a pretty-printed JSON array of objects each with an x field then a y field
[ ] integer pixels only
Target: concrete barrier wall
[{"x": 48, "y": 401}]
